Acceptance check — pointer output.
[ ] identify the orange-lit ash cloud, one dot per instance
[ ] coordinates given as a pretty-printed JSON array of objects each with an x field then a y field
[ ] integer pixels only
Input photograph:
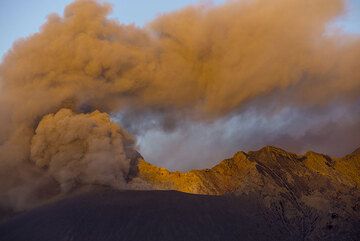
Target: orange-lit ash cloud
[
  {"x": 82, "y": 149},
  {"x": 200, "y": 63}
]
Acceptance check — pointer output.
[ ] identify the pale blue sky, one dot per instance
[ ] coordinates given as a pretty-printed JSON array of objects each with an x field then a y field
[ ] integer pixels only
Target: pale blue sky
[{"x": 20, "y": 18}]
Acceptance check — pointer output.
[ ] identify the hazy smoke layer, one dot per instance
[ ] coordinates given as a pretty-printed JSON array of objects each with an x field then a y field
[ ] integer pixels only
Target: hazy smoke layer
[
  {"x": 82, "y": 149},
  {"x": 334, "y": 131},
  {"x": 199, "y": 64}
]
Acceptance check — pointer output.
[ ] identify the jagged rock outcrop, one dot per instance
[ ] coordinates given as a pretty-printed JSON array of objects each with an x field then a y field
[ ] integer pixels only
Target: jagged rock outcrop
[
  {"x": 223, "y": 178},
  {"x": 247, "y": 171}
]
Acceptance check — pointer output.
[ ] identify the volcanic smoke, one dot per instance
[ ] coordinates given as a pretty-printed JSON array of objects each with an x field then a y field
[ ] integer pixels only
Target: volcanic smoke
[{"x": 200, "y": 64}]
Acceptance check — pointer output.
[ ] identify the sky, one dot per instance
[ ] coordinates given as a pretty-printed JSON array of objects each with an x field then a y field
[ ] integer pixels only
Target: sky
[{"x": 20, "y": 18}]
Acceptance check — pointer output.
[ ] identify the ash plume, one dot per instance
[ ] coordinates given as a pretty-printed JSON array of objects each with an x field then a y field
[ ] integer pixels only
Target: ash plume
[
  {"x": 201, "y": 63},
  {"x": 82, "y": 149}
]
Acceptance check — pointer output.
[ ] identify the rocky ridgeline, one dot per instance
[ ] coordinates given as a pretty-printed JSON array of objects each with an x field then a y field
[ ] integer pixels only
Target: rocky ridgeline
[
  {"x": 312, "y": 196},
  {"x": 256, "y": 170}
]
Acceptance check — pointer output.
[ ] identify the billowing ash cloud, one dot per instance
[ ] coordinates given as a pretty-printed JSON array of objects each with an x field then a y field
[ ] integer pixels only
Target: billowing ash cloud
[
  {"x": 199, "y": 64},
  {"x": 82, "y": 149}
]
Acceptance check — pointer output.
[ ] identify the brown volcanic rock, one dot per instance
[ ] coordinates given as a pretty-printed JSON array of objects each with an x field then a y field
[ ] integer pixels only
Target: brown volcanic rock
[
  {"x": 349, "y": 167},
  {"x": 253, "y": 170},
  {"x": 226, "y": 177}
]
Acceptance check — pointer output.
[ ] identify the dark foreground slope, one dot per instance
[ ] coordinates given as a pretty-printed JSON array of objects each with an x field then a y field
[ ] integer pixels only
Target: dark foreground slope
[
  {"x": 142, "y": 215},
  {"x": 158, "y": 215}
]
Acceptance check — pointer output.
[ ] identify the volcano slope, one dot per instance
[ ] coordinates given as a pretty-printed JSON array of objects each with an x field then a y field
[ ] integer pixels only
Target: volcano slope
[
  {"x": 143, "y": 215},
  {"x": 268, "y": 194}
]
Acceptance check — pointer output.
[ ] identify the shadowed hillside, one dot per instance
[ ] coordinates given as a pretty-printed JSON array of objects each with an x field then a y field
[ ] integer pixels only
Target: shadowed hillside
[
  {"x": 146, "y": 215},
  {"x": 156, "y": 215}
]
